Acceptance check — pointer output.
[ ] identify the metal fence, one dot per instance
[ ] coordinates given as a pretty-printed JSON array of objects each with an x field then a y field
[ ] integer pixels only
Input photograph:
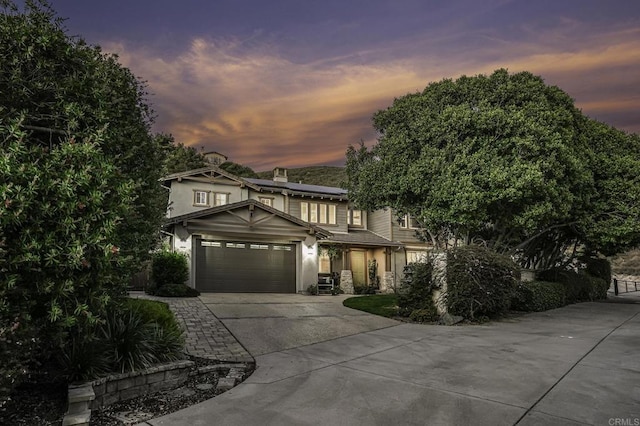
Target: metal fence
[{"x": 625, "y": 286}]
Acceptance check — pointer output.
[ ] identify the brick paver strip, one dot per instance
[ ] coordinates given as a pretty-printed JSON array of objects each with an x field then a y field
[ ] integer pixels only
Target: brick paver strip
[{"x": 205, "y": 335}]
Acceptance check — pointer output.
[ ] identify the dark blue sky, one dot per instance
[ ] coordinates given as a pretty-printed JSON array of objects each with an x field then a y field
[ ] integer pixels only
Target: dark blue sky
[{"x": 292, "y": 83}]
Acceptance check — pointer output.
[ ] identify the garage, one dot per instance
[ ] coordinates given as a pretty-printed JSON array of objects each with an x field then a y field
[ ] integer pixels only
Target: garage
[{"x": 245, "y": 267}]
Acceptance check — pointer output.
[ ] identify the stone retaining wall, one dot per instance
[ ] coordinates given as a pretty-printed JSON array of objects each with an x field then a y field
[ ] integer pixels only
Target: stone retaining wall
[
  {"x": 120, "y": 387},
  {"x": 84, "y": 397}
]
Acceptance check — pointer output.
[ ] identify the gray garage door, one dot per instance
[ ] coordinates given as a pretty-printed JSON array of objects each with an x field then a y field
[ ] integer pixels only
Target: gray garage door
[{"x": 245, "y": 267}]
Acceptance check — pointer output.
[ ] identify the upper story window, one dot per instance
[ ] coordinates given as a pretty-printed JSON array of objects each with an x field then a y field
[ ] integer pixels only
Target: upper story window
[
  {"x": 355, "y": 218},
  {"x": 416, "y": 256},
  {"x": 266, "y": 201},
  {"x": 200, "y": 198},
  {"x": 408, "y": 222},
  {"x": 220, "y": 198},
  {"x": 318, "y": 213}
]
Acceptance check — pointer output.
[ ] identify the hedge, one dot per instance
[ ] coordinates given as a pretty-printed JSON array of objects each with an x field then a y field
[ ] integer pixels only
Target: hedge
[{"x": 536, "y": 296}]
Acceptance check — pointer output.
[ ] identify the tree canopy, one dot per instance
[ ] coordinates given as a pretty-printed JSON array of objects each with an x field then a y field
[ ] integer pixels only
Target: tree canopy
[
  {"x": 80, "y": 204},
  {"x": 504, "y": 160},
  {"x": 179, "y": 157},
  {"x": 238, "y": 169}
]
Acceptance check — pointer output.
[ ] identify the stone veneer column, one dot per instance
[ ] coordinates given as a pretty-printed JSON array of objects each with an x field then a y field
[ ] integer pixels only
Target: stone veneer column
[
  {"x": 388, "y": 282},
  {"x": 346, "y": 281},
  {"x": 440, "y": 278}
]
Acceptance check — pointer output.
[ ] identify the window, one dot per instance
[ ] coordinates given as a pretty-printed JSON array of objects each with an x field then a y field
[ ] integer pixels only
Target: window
[
  {"x": 236, "y": 245},
  {"x": 355, "y": 217},
  {"x": 200, "y": 198},
  {"x": 318, "y": 213},
  {"x": 220, "y": 199},
  {"x": 323, "y": 213},
  {"x": 416, "y": 256},
  {"x": 324, "y": 262},
  {"x": 332, "y": 214},
  {"x": 266, "y": 201},
  {"x": 313, "y": 212},
  {"x": 211, "y": 244},
  {"x": 408, "y": 222}
]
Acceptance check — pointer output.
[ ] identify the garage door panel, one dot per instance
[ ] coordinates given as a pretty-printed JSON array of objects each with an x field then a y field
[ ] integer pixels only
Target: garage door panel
[{"x": 226, "y": 266}]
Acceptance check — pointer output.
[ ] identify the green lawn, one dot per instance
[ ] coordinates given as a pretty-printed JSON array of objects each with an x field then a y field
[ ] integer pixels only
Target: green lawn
[{"x": 385, "y": 305}]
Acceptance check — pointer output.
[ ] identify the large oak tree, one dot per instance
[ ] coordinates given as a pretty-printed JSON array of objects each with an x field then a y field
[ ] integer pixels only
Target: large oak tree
[{"x": 504, "y": 160}]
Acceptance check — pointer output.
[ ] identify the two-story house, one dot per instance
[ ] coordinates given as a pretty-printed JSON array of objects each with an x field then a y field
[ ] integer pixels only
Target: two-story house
[{"x": 259, "y": 235}]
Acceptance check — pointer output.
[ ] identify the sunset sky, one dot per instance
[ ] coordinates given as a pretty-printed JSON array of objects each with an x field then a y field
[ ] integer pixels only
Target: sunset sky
[{"x": 293, "y": 82}]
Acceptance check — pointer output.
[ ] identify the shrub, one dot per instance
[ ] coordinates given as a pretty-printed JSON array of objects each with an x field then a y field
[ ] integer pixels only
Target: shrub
[
  {"x": 128, "y": 339},
  {"x": 364, "y": 289},
  {"x": 480, "y": 282},
  {"x": 597, "y": 287},
  {"x": 577, "y": 286},
  {"x": 17, "y": 345},
  {"x": 415, "y": 298},
  {"x": 169, "y": 268},
  {"x": 85, "y": 358},
  {"x": 424, "y": 315},
  {"x": 598, "y": 268},
  {"x": 153, "y": 311},
  {"x": 136, "y": 334},
  {"x": 141, "y": 333},
  {"x": 177, "y": 290},
  {"x": 537, "y": 296}
]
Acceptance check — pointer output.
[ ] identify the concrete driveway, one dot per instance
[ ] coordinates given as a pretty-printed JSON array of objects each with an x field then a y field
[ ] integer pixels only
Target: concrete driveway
[
  {"x": 266, "y": 323},
  {"x": 575, "y": 365}
]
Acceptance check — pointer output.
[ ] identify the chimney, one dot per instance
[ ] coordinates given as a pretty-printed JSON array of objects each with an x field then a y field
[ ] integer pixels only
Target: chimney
[{"x": 280, "y": 175}]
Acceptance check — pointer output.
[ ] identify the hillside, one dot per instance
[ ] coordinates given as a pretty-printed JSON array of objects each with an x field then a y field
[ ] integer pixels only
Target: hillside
[
  {"x": 316, "y": 175},
  {"x": 626, "y": 263}
]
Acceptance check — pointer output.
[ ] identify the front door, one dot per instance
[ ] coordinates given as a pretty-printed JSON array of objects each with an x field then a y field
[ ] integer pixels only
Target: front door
[{"x": 359, "y": 268}]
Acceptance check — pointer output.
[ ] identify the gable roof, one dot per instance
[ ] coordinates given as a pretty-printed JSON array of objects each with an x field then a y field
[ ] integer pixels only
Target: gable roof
[
  {"x": 362, "y": 237},
  {"x": 264, "y": 185},
  {"x": 251, "y": 204},
  {"x": 209, "y": 171},
  {"x": 300, "y": 188}
]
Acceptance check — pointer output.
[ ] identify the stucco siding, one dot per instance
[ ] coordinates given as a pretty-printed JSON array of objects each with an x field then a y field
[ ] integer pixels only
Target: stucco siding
[
  {"x": 181, "y": 195},
  {"x": 277, "y": 199}
]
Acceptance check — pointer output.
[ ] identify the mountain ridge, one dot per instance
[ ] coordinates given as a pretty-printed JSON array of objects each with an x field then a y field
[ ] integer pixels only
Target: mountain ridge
[{"x": 335, "y": 176}]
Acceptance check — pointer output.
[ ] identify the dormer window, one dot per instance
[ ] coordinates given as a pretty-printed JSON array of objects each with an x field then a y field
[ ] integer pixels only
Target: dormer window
[
  {"x": 354, "y": 218},
  {"x": 220, "y": 198},
  {"x": 408, "y": 222},
  {"x": 201, "y": 198},
  {"x": 266, "y": 201}
]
